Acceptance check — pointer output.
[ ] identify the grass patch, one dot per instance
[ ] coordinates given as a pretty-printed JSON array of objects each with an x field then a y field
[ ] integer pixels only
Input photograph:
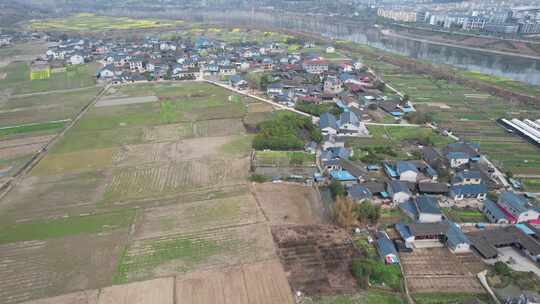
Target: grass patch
[
  {"x": 88, "y": 140},
  {"x": 531, "y": 184},
  {"x": 36, "y": 127},
  {"x": 285, "y": 158},
  {"x": 87, "y": 160},
  {"x": 42, "y": 230},
  {"x": 376, "y": 297},
  {"x": 464, "y": 215},
  {"x": 448, "y": 298},
  {"x": 240, "y": 145},
  {"x": 18, "y": 78},
  {"x": 189, "y": 251}
]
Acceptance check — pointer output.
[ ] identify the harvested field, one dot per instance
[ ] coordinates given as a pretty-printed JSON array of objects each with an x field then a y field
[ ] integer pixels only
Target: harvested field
[
  {"x": 58, "y": 196},
  {"x": 10, "y": 143},
  {"x": 204, "y": 128},
  {"x": 438, "y": 270},
  {"x": 261, "y": 283},
  {"x": 109, "y": 102},
  {"x": 158, "y": 291},
  {"x": 143, "y": 181},
  {"x": 37, "y": 269},
  {"x": 259, "y": 107},
  {"x": 81, "y": 297},
  {"x": 316, "y": 258},
  {"x": 170, "y": 152},
  {"x": 289, "y": 204},
  {"x": 73, "y": 162},
  {"x": 192, "y": 251},
  {"x": 197, "y": 216}
]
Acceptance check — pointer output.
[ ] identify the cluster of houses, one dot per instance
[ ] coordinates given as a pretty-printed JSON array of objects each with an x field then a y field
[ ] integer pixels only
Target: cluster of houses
[
  {"x": 418, "y": 190},
  {"x": 5, "y": 40}
]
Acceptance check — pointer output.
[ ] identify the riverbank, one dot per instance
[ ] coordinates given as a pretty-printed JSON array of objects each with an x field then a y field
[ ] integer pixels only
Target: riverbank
[
  {"x": 467, "y": 44},
  {"x": 487, "y": 43}
]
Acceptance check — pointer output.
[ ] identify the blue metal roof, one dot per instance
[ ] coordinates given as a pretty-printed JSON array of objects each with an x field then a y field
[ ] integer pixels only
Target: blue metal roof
[
  {"x": 469, "y": 189},
  {"x": 404, "y": 166},
  {"x": 385, "y": 246},
  {"x": 327, "y": 120},
  {"x": 409, "y": 208},
  {"x": 342, "y": 176},
  {"x": 390, "y": 171},
  {"x": 403, "y": 231},
  {"x": 358, "y": 192},
  {"x": 427, "y": 204},
  {"x": 525, "y": 229},
  {"x": 348, "y": 117},
  {"x": 494, "y": 210},
  {"x": 458, "y": 155},
  {"x": 454, "y": 235},
  {"x": 398, "y": 186},
  {"x": 514, "y": 201}
]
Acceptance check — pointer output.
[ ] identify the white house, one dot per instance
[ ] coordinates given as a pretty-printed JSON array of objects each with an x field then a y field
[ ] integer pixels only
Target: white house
[
  {"x": 407, "y": 171},
  {"x": 399, "y": 191},
  {"x": 328, "y": 124},
  {"x": 428, "y": 209},
  {"x": 76, "y": 59},
  {"x": 330, "y": 49}
]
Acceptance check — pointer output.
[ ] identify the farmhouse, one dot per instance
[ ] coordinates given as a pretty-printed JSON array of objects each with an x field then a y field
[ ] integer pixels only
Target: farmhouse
[
  {"x": 386, "y": 248},
  {"x": 76, "y": 59},
  {"x": 328, "y": 124},
  {"x": 517, "y": 208},
  {"x": 349, "y": 124},
  {"x": 460, "y": 192},
  {"x": 407, "y": 171},
  {"x": 315, "y": 66},
  {"x": 399, "y": 191},
  {"x": 432, "y": 188},
  {"x": 422, "y": 235},
  {"x": 461, "y": 153},
  {"x": 467, "y": 178},
  {"x": 494, "y": 213},
  {"x": 423, "y": 209},
  {"x": 523, "y": 238},
  {"x": 359, "y": 193}
]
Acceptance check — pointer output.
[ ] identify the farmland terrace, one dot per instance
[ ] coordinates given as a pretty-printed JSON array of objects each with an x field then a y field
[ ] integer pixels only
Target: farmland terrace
[{"x": 108, "y": 197}]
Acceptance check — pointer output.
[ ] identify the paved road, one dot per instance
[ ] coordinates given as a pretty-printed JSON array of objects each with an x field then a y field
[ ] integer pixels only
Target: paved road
[{"x": 275, "y": 104}]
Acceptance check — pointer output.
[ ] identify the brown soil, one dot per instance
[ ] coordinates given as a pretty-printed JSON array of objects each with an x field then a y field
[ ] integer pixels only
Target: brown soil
[
  {"x": 438, "y": 270},
  {"x": 316, "y": 258},
  {"x": 289, "y": 203},
  {"x": 262, "y": 283}
]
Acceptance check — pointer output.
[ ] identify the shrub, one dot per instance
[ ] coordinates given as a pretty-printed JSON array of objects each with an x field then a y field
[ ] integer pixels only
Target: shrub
[{"x": 258, "y": 178}]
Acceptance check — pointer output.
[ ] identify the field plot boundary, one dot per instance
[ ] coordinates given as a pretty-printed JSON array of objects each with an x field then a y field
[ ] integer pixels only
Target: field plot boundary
[
  {"x": 263, "y": 282},
  {"x": 110, "y": 102}
]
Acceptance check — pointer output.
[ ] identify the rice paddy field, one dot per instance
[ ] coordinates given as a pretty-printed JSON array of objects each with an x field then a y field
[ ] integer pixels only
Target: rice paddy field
[
  {"x": 86, "y": 22},
  {"x": 470, "y": 114},
  {"x": 136, "y": 191}
]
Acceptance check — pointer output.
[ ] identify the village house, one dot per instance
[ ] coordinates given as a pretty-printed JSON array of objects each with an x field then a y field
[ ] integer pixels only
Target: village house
[
  {"x": 407, "y": 171},
  {"x": 315, "y": 66},
  {"x": 461, "y": 153},
  {"x": 386, "y": 248},
  {"x": 425, "y": 235},
  {"x": 423, "y": 209},
  {"x": 398, "y": 191},
  {"x": 517, "y": 208}
]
